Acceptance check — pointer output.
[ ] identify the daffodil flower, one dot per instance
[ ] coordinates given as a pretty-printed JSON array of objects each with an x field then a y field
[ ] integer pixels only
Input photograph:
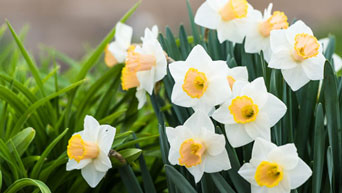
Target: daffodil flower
[
  {"x": 88, "y": 150},
  {"x": 298, "y": 54},
  {"x": 236, "y": 73},
  {"x": 116, "y": 51},
  {"x": 229, "y": 17},
  {"x": 200, "y": 83},
  {"x": 196, "y": 146},
  {"x": 249, "y": 113},
  {"x": 337, "y": 59},
  {"x": 145, "y": 65},
  {"x": 274, "y": 169},
  {"x": 258, "y": 36}
]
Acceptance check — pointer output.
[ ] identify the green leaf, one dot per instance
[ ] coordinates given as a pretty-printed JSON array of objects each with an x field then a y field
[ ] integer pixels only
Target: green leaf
[
  {"x": 194, "y": 27},
  {"x": 38, "y": 166},
  {"x": 22, "y": 140},
  {"x": 25, "y": 182},
  {"x": 129, "y": 179},
  {"x": 221, "y": 183},
  {"x": 179, "y": 180},
  {"x": 318, "y": 158},
  {"x": 141, "y": 139},
  {"x": 0, "y": 180},
  {"x": 131, "y": 154},
  {"x": 330, "y": 166},
  {"x": 47, "y": 171}
]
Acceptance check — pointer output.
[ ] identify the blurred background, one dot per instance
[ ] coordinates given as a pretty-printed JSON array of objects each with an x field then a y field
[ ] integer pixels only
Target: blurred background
[{"x": 71, "y": 26}]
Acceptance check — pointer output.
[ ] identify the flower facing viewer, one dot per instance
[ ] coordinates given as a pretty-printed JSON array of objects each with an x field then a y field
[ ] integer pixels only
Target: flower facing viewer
[
  {"x": 196, "y": 146},
  {"x": 298, "y": 54},
  {"x": 249, "y": 113},
  {"x": 88, "y": 150},
  {"x": 274, "y": 169}
]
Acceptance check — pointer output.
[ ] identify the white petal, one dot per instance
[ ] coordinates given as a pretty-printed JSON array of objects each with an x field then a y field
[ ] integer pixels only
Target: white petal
[
  {"x": 299, "y": 174},
  {"x": 314, "y": 67},
  {"x": 257, "y": 91},
  {"x": 259, "y": 128},
  {"x": 255, "y": 42},
  {"x": 173, "y": 155},
  {"x": 229, "y": 31},
  {"x": 180, "y": 98},
  {"x": 238, "y": 73},
  {"x": 141, "y": 96},
  {"x": 206, "y": 16},
  {"x": 106, "y": 138},
  {"x": 238, "y": 87},
  {"x": 217, "y": 4},
  {"x": 237, "y": 135},
  {"x": 91, "y": 176},
  {"x": 295, "y": 77},
  {"x": 217, "y": 92},
  {"x": 285, "y": 155},
  {"x": 337, "y": 62},
  {"x": 199, "y": 120},
  {"x": 261, "y": 149},
  {"x": 123, "y": 35},
  {"x": 146, "y": 79},
  {"x": 279, "y": 41},
  {"x": 197, "y": 172},
  {"x": 296, "y": 28},
  {"x": 102, "y": 163},
  {"x": 282, "y": 59},
  {"x": 274, "y": 108},
  {"x": 267, "y": 52},
  {"x": 198, "y": 57},
  {"x": 223, "y": 115},
  {"x": 74, "y": 165},
  {"x": 214, "y": 143},
  {"x": 178, "y": 70},
  {"x": 247, "y": 171},
  {"x": 259, "y": 189},
  {"x": 216, "y": 163},
  {"x": 118, "y": 51},
  {"x": 91, "y": 129},
  {"x": 283, "y": 186}
]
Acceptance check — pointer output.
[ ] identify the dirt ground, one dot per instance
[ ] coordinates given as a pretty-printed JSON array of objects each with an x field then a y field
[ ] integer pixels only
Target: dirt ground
[{"x": 68, "y": 24}]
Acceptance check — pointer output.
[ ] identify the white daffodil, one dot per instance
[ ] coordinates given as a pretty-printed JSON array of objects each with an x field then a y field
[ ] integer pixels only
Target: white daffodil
[
  {"x": 274, "y": 169},
  {"x": 236, "y": 73},
  {"x": 88, "y": 150},
  {"x": 145, "y": 65},
  {"x": 258, "y": 36},
  {"x": 116, "y": 51},
  {"x": 196, "y": 146},
  {"x": 229, "y": 17},
  {"x": 298, "y": 54},
  {"x": 249, "y": 113},
  {"x": 337, "y": 59},
  {"x": 200, "y": 83}
]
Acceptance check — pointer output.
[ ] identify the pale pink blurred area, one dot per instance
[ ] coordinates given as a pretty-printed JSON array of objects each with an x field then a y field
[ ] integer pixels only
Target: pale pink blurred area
[{"x": 68, "y": 25}]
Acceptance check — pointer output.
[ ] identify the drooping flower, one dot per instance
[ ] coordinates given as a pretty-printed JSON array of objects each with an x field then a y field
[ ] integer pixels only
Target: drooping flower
[
  {"x": 88, "y": 150},
  {"x": 200, "y": 83},
  {"x": 236, "y": 73},
  {"x": 249, "y": 113},
  {"x": 298, "y": 54},
  {"x": 258, "y": 36},
  {"x": 116, "y": 51},
  {"x": 336, "y": 58},
  {"x": 196, "y": 146},
  {"x": 274, "y": 169},
  {"x": 145, "y": 65},
  {"x": 229, "y": 17}
]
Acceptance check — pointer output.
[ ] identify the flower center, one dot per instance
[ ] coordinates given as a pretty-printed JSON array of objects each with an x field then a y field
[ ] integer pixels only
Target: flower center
[
  {"x": 195, "y": 83},
  {"x": 243, "y": 109},
  {"x": 191, "y": 152},
  {"x": 139, "y": 62},
  {"x": 268, "y": 174},
  {"x": 231, "y": 81},
  {"x": 234, "y": 9},
  {"x": 78, "y": 149},
  {"x": 129, "y": 79},
  {"x": 277, "y": 21},
  {"x": 306, "y": 46},
  {"x": 109, "y": 58}
]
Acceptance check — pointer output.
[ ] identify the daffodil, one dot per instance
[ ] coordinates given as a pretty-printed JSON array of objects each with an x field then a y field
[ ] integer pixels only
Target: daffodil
[
  {"x": 258, "y": 36},
  {"x": 236, "y": 73},
  {"x": 249, "y": 113},
  {"x": 229, "y": 17},
  {"x": 196, "y": 146},
  {"x": 298, "y": 54},
  {"x": 200, "y": 83},
  {"x": 88, "y": 150},
  {"x": 336, "y": 58},
  {"x": 274, "y": 168},
  {"x": 116, "y": 51},
  {"x": 145, "y": 65}
]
